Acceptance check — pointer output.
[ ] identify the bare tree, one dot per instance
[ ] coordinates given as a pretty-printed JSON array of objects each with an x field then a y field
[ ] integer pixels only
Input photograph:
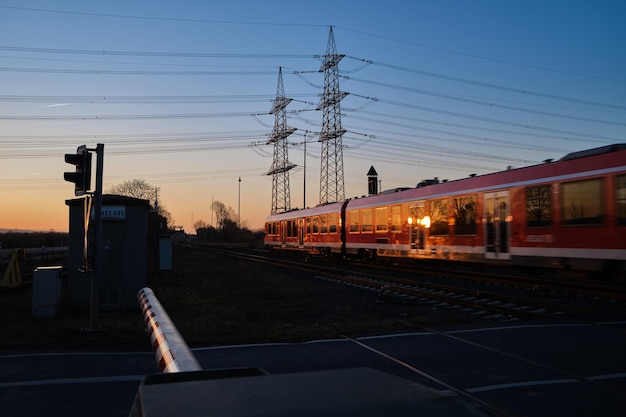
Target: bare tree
[
  {"x": 538, "y": 205},
  {"x": 139, "y": 188},
  {"x": 223, "y": 215},
  {"x": 200, "y": 224},
  {"x": 136, "y": 188}
]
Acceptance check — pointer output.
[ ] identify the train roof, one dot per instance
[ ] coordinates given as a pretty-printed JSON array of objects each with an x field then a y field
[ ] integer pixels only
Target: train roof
[
  {"x": 319, "y": 209},
  {"x": 595, "y": 161},
  {"x": 595, "y": 151}
]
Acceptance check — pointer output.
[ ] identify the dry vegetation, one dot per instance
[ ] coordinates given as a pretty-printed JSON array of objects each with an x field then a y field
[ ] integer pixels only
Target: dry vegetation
[{"x": 216, "y": 300}]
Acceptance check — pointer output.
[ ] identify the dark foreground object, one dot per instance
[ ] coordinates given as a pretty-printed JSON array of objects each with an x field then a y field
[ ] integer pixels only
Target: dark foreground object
[{"x": 360, "y": 391}]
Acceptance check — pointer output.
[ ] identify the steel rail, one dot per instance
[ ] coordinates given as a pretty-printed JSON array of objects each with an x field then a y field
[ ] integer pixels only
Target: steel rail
[
  {"x": 586, "y": 287},
  {"x": 484, "y": 300},
  {"x": 454, "y": 295}
]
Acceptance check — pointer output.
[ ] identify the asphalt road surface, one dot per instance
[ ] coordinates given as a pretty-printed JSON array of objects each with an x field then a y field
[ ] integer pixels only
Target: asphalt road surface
[{"x": 576, "y": 369}]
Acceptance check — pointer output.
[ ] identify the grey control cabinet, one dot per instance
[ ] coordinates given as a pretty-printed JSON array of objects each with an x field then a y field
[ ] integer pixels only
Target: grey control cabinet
[
  {"x": 46, "y": 290},
  {"x": 123, "y": 251}
]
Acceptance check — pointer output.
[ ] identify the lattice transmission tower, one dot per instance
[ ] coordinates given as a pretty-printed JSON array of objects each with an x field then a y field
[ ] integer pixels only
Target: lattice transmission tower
[
  {"x": 331, "y": 175},
  {"x": 280, "y": 164}
]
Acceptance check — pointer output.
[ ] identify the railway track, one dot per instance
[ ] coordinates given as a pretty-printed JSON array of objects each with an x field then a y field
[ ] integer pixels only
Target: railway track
[
  {"x": 532, "y": 281},
  {"x": 454, "y": 290}
]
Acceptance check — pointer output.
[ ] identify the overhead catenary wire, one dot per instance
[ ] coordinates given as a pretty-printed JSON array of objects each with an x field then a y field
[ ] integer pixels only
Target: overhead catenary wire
[
  {"x": 153, "y": 54},
  {"x": 229, "y": 98},
  {"x": 495, "y": 105},
  {"x": 160, "y": 18},
  {"x": 489, "y": 85},
  {"x": 393, "y": 140},
  {"x": 301, "y": 24}
]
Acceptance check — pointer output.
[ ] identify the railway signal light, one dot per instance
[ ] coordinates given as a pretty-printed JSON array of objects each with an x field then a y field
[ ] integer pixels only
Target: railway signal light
[{"x": 82, "y": 175}]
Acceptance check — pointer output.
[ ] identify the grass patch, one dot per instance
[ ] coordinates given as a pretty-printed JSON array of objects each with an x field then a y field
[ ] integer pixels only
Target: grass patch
[{"x": 218, "y": 300}]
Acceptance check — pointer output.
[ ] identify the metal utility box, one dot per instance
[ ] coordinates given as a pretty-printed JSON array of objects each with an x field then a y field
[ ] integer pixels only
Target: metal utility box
[
  {"x": 165, "y": 253},
  {"x": 46, "y": 290},
  {"x": 123, "y": 253}
]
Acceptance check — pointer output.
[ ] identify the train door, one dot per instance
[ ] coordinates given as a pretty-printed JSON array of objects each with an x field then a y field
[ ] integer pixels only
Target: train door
[
  {"x": 283, "y": 232},
  {"x": 301, "y": 224},
  {"x": 497, "y": 220},
  {"x": 417, "y": 225}
]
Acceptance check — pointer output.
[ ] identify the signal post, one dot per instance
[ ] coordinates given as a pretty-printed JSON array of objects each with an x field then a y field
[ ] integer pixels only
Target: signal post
[{"x": 81, "y": 178}]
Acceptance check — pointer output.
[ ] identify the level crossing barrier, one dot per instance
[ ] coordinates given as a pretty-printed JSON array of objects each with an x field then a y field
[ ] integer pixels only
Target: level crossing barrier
[{"x": 170, "y": 350}]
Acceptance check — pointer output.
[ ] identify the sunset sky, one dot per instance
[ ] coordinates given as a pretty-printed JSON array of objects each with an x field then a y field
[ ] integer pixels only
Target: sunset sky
[{"x": 180, "y": 94}]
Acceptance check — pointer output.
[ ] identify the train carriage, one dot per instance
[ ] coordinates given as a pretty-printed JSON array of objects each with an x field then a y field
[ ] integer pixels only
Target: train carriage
[
  {"x": 569, "y": 213},
  {"x": 315, "y": 229}
]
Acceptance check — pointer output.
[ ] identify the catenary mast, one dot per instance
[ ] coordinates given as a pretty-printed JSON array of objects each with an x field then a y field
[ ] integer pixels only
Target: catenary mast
[{"x": 280, "y": 164}]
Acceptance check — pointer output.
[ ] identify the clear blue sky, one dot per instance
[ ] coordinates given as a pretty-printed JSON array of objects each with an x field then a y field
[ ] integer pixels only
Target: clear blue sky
[{"x": 179, "y": 93}]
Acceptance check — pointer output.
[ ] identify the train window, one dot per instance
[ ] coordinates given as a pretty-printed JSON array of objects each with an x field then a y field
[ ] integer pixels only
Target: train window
[
  {"x": 539, "y": 206},
  {"x": 324, "y": 223},
  {"x": 309, "y": 229},
  {"x": 353, "y": 221},
  {"x": 332, "y": 222},
  {"x": 367, "y": 223},
  {"x": 439, "y": 217},
  {"x": 620, "y": 199},
  {"x": 316, "y": 222},
  {"x": 582, "y": 202},
  {"x": 465, "y": 215},
  {"x": 396, "y": 218},
  {"x": 381, "y": 219},
  {"x": 417, "y": 212},
  {"x": 293, "y": 228}
]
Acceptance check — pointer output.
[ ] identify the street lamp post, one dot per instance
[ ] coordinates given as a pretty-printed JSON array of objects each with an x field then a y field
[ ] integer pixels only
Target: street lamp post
[{"x": 239, "y": 213}]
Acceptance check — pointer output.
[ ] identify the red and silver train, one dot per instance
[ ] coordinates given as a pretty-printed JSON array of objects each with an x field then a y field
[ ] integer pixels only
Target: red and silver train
[{"x": 569, "y": 213}]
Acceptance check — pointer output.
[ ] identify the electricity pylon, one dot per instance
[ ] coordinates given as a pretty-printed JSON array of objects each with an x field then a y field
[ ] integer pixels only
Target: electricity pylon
[
  {"x": 280, "y": 164},
  {"x": 331, "y": 175}
]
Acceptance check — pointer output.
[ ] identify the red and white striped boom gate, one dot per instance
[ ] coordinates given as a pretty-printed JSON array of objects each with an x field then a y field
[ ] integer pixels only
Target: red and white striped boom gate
[{"x": 170, "y": 350}]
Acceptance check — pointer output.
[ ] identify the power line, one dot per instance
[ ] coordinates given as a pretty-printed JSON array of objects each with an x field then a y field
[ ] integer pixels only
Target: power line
[
  {"x": 46, "y": 153},
  {"x": 234, "y": 98},
  {"x": 502, "y": 106},
  {"x": 287, "y": 24},
  {"x": 483, "y": 119},
  {"x": 258, "y": 72},
  {"x": 391, "y": 140},
  {"x": 136, "y": 116},
  {"x": 482, "y": 57},
  {"x": 565, "y": 135},
  {"x": 473, "y": 139},
  {"x": 130, "y": 72},
  {"x": 170, "y": 19},
  {"x": 153, "y": 54},
  {"x": 488, "y": 85}
]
